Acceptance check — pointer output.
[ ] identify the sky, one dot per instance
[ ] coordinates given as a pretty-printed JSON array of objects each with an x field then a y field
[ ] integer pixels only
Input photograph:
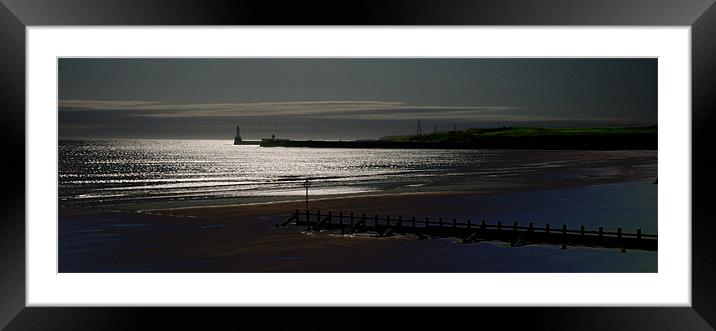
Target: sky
[{"x": 345, "y": 98}]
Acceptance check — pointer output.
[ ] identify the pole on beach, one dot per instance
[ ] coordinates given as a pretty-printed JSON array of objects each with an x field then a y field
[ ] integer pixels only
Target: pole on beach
[
  {"x": 308, "y": 220},
  {"x": 306, "y": 184}
]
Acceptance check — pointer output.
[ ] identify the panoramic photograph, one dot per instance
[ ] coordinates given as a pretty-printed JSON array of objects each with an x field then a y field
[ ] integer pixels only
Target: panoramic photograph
[{"x": 439, "y": 165}]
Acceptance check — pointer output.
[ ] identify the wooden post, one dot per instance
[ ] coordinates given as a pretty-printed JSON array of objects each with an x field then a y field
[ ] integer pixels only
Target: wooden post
[
  {"x": 546, "y": 228},
  {"x": 601, "y": 231},
  {"x": 483, "y": 225},
  {"x": 499, "y": 225},
  {"x": 564, "y": 229},
  {"x": 581, "y": 230},
  {"x": 619, "y": 233},
  {"x": 530, "y": 228},
  {"x": 638, "y": 233},
  {"x": 469, "y": 223},
  {"x": 514, "y": 226}
]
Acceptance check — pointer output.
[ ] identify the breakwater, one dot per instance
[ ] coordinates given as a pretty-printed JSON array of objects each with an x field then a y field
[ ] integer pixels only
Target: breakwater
[
  {"x": 576, "y": 142},
  {"x": 246, "y": 142}
]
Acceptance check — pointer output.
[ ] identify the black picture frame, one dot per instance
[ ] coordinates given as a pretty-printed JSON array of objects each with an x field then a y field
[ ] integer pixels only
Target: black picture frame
[{"x": 16, "y": 15}]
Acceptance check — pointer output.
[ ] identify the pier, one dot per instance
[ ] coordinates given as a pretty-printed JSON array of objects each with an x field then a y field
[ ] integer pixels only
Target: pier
[
  {"x": 576, "y": 142},
  {"x": 469, "y": 231}
]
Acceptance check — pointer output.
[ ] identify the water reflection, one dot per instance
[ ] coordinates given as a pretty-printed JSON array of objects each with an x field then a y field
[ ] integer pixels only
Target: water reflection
[{"x": 121, "y": 171}]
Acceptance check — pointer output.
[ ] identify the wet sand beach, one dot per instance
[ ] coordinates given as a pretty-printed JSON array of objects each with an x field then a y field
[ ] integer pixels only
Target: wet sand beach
[{"x": 244, "y": 238}]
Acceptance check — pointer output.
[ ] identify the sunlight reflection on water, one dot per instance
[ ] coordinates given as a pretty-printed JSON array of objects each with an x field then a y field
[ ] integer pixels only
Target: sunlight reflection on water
[{"x": 108, "y": 171}]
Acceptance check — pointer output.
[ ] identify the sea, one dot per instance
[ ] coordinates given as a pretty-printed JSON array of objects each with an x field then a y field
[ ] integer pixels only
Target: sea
[
  {"x": 110, "y": 177},
  {"x": 105, "y": 173}
]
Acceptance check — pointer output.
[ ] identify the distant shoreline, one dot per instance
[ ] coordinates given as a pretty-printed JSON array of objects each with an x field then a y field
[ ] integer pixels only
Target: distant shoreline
[
  {"x": 629, "y": 138},
  {"x": 646, "y": 142}
]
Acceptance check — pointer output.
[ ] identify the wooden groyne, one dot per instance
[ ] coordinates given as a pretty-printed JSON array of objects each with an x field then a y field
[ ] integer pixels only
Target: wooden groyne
[{"x": 469, "y": 231}]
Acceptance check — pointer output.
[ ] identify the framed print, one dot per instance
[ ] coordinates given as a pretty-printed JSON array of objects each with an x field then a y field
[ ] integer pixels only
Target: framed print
[{"x": 469, "y": 156}]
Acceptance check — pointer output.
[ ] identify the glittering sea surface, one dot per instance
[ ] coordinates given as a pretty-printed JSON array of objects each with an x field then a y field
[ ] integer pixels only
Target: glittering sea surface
[{"x": 109, "y": 172}]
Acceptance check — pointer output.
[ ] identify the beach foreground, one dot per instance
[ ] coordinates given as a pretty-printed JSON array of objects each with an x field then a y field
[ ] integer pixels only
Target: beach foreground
[{"x": 244, "y": 238}]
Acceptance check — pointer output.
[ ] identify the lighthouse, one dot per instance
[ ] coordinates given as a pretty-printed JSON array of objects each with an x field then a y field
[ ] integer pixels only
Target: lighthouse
[{"x": 237, "y": 139}]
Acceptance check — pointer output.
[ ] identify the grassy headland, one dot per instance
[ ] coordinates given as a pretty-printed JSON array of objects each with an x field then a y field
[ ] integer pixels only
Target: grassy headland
[{"x": 617, "y": 138}]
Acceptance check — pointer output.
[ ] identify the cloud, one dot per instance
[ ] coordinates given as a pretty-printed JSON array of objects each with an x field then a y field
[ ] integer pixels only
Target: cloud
[
  {"x": 320, "y": 109},
  {"x": 104, "y": 104},
  {"x": 330, "y": 110}
]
